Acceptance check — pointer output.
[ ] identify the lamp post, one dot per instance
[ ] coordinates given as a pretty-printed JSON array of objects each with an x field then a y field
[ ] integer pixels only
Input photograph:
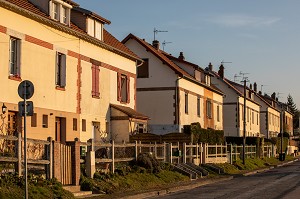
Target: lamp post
[{"x": 245, "y": 124}]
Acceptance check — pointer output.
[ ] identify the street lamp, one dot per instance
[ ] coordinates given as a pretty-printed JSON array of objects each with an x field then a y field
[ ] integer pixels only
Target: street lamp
[{"x": 4, "y": 109}]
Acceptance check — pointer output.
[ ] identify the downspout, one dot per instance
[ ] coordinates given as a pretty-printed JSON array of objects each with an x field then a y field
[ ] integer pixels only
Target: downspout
[{"x": 177, "y": 100}]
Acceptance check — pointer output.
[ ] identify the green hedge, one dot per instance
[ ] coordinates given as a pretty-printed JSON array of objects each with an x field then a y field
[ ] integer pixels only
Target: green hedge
[{"x": 209, "y": 136}]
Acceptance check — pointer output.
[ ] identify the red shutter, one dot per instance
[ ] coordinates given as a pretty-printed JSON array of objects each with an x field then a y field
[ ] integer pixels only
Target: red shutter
[
  {"x": 128, "y": 89},
  {"x": 93, "y": 80},
  {"x": 119, "y": 87},
  {"x": 97, "y": 71}
]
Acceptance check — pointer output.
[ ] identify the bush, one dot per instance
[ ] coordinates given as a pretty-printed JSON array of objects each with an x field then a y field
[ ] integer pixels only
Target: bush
[
  {"x": 86, "y": 184},
  {"x": 148, "y": 161},
  {"x": 209, "y": 136}
]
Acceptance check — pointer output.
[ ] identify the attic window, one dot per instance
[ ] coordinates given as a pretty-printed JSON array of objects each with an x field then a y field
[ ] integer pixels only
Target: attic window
[
  {"x": 60, "y": 11},
  {"x": 95, "y": 28},
  {"x": 207, "y": 80}
]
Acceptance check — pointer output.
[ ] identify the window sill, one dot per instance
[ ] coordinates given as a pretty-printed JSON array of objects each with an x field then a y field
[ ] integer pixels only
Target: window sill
[
  {"x": 96, "y": 96},
  {"x": 60, "y": 88},
  {"x": 16, "y": 78}
]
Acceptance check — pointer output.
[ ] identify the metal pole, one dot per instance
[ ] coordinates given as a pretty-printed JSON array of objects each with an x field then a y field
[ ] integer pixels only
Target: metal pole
[
  {"x": 25, "y": 142},
  {"x": 281, "y": 134},
  {"x": 244, "y": 136}
]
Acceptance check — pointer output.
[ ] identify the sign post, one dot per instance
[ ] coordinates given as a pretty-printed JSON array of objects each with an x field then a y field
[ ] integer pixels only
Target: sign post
[{"x": 25, "y": 91}]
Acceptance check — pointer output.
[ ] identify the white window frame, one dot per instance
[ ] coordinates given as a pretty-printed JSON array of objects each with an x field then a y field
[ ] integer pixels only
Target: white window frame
[
  {"x": 14, "y": 57},
  {"x": 57, "y": 14}
]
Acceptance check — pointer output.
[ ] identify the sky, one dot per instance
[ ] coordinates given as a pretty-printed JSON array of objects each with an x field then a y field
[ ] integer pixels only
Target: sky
[{"x": 257, "y": 38}]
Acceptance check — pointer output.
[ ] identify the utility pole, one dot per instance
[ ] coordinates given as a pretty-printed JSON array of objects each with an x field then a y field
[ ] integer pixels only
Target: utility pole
[{"x": 245, "y": 124}]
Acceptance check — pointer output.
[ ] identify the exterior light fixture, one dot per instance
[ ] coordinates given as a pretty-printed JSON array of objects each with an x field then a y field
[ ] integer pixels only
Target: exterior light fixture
[{"x": 4, "y": 108}]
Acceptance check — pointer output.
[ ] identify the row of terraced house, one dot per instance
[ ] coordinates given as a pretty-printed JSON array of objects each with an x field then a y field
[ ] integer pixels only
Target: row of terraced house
[{"x": 90, "y": 85}]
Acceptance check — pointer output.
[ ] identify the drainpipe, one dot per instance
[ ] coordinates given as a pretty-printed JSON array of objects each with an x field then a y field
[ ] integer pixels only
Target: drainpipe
[{"x": 177, "y": 100}]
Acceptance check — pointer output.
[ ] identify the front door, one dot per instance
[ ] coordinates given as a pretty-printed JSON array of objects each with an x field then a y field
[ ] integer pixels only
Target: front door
[{"x": 58, "y": 129}]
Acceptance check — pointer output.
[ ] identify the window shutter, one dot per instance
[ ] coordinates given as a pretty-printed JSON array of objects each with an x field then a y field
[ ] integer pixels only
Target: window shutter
[
  {"x": 97, "y": 71},
  {"x": 119, "y": 87},
  {"x": 18, "y": 60},
  {"x": 63, "y": 71},
  {"x": 93, "y": 80},
  {"x": 56, "y": 69},
  {"x": 128, "y": 89}
]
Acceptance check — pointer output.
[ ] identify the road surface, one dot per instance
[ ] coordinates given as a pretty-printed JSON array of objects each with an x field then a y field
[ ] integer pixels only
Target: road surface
[{"x": 281, "y": 182}]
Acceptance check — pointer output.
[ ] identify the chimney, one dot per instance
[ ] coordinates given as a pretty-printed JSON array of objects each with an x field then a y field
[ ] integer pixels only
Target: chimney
[
  {"x": 273, "y": 96},
  {"x": 210, "y": 66},
  {"x": 250, "y": 86},
  {"x": 255, "y": 87},
  {"x": 181, "y": 57},
  {"x": 221, "y": 71},
  {"x": 155, "y": 44},
  {"x": 259, "y": 92}
]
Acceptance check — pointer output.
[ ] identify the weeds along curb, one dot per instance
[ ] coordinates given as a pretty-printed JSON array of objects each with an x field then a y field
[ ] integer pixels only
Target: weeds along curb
[
  {"x": 267, "y": 169},
  {"x": 192, "y": 185}
]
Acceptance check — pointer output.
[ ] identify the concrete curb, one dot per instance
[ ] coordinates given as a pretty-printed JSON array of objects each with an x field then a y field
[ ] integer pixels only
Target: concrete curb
[
  {"x": 192, "y": 185},
  {"x": 267, "y": 169}
]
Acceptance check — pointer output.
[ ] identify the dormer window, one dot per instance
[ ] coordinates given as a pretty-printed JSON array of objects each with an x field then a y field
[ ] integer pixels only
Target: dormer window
[
  {"x": 207, "y": 80},
  {"x": 60, "y": 11},
  {"x": 94, "y": 28}
]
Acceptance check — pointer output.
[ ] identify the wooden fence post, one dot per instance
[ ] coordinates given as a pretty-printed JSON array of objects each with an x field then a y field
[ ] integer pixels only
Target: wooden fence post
[
  {"x": 165, "y": 152},
  {"x": 201, "y": 153},
  {"x": 170, "y": 153},
  {"x": 231, "y": 153},
  {"x": 184, "y": 152},
  {"x": 140, "y": 149},
  {"x": 136, "y": 150},
  {"x": 197, "y": 154},
  {"x": 90, "y": 162},
  {"x": 113, "y": 156},
  {"x": 155, "y": 150},
  {"x": 49, "y": 167},
  {"x": 19, "y": 155}
]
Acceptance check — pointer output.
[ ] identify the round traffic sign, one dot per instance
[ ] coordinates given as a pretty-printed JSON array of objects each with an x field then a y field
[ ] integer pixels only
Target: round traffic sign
[{"x": 26, "y": 89}]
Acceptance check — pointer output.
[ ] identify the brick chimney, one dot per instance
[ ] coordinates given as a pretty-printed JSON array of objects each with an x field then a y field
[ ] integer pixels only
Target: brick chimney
[
  {"x": 210, "y": 66},
  {"x": 155, "y": 44},
  {"x": 221, "y": 71},
  {"x": 273, "y": 96},
  {"x": 250, "y": 86},
  {"x": 181, "y": 57},
  {"x": 255, "y": 87}
]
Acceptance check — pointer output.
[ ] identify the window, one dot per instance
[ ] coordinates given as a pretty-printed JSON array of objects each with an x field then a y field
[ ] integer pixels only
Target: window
[
  {"x": 55, "y": 11},
  {"x": 60, "y": 12},
  {"x": 198, "y": 106},
  {"x": 252, "y": 117},
  {"x": 218, "y": 113},
  {"x": 186, "y": 103},
  {"x": 64, "y": 15},
  {"x": 242, "y": 111},
  {"x": 207, "y": 80},
  {"x": 208, "y": 109},
  {"x": 257, "y": 118},
  {"x": 143, "y": 70},
  {"x": 45, "y": 121},
  {"x": 95, "y": 81},
  {"x": 33, "y": 120},
  {"x": 74, "y": 124},
  {"x": 248, "y": 115},
  {"x": 94, "y": 28},
  {"x": 14, "y": 59},
  {"x": 83, "y": 125},
  {"x": 123, "y": 88},
  {"x": 60, "y": 70}
]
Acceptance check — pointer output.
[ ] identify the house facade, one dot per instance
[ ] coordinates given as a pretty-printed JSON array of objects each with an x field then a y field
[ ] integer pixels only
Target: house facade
[
  {"x": 233, "y": 106},
  {"x": 269, "y": 115},
  {"x": 79, "y": 71},
  {"x": 172, "y": 91}
]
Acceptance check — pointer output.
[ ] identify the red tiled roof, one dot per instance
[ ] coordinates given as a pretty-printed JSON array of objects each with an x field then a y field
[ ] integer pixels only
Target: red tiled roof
[
  {"x": 108, "y": 38},
  {"x": 163, "y": 57},
  {"x": 182, "y": 61},
  {"x": 130, "y": 112},
  {"x": 159, "y": 54},
  {"x": 112, "y": 41},
  {"x": 92, "y": 14}
]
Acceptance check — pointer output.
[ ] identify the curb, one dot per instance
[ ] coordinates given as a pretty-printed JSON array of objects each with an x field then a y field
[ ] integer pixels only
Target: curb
[
  {"x": 178, "y": 188},
  {"x": 267, "y": 169}
]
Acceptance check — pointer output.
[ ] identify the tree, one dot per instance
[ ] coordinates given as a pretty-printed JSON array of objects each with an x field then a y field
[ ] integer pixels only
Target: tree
[{"x": 294, "y": 110}]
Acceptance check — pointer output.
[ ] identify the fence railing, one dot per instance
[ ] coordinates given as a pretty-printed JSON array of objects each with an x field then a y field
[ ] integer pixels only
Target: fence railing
[{"x": 236, "y": 152}]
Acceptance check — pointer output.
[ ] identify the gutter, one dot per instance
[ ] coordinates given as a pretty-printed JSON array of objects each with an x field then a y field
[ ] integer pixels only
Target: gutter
[{"x": 177, "y": 100}]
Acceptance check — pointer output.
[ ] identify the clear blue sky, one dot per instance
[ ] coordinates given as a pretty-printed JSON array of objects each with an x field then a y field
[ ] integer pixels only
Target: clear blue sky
[{"x": 259, "y": 37}]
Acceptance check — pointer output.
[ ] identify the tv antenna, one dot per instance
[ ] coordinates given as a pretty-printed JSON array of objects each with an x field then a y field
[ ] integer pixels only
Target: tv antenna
[
  {"x": 225, "y": 62},
  {"x": 157, "y": 31},
  {"x": 243, "y": 74},
  {"x": 235, "y": 77},
  {"x": 278, "y": 95},
  {"x": 261, "y": 87},
  {"x": 164, "y": 43}
]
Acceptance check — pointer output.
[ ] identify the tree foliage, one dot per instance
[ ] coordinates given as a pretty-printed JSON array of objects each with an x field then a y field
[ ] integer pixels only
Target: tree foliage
[{"x": 291, "y": 104}]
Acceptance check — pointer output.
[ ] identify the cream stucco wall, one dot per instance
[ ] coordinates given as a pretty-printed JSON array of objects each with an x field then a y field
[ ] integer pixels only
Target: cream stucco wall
[{"x": 38, "y": 66}]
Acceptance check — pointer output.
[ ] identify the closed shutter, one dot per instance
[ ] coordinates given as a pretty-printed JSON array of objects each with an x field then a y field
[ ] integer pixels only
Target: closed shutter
[
  {"x": 128, "y": 89},
  {"x": 57, "y": 69},
  {"x": 119, "y": 87},
  {"x": 95, "y": 81},
  {"x": 63, "y": 71}
]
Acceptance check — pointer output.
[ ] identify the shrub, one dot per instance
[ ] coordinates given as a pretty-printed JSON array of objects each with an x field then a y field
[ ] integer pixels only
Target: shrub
[
  {"x": 147, "y": 161},
  {"x": 86, "y": 184}
]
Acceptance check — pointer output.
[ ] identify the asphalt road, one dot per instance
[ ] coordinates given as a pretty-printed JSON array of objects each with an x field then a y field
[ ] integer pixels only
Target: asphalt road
[{"x": 281, "y": 182}]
